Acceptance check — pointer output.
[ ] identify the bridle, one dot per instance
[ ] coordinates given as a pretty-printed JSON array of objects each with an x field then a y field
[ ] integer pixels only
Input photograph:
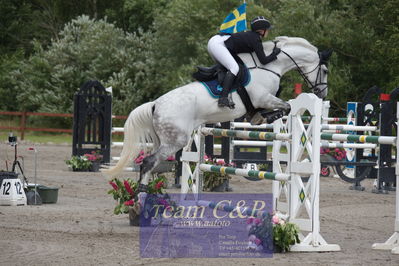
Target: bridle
[
  {"x": 318, "y": 81},
  {"x": 313, "y": 87}
]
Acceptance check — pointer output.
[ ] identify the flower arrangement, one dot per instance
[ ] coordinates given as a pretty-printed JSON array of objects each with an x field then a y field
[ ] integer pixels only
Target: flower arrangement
[
  {"x": 212, "y": 179},
  {"x": 338, "y": 154},
  {"x": 126, "y": 193},
  {"x": 85, "y": 162},
  {"x": 271, "y": 233},
  {"x": 94, "y": 156},
  {"x": 79, "y": 163}
]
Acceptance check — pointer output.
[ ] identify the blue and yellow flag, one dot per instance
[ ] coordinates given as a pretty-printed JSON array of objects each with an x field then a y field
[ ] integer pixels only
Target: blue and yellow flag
[{"x": 236, "y": 21}]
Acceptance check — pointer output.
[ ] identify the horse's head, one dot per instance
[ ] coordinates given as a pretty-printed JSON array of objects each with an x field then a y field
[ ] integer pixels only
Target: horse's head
[
  {"x": 311, "y": 64},
  {"x": 316, "y": 74}
]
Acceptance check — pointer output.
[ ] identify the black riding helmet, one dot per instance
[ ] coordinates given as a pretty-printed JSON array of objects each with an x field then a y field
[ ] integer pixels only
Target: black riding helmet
[{"x": 260, "y": 23}]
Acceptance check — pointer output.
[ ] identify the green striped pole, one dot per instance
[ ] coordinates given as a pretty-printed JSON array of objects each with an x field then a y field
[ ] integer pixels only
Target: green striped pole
[
  {"x": 243, "y": 172},
  {"x": 245, "y": 134},
  {"x": 359, "y": 138}
]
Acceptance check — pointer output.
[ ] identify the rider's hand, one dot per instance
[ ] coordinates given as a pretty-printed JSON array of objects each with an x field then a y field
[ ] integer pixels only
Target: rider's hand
[{"x": 276, "y": 51}]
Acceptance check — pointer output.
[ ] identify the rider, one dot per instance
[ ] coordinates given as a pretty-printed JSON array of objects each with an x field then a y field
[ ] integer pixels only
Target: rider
[{"x": 223, "y": 46}]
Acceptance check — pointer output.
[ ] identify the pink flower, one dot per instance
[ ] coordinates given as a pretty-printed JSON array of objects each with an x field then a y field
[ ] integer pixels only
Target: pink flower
[
  {"x": 257, "y": 241},
  {"x": 171, "y": 158},
  {"x": 113, "y": 185},
  {"x": 257, "y": 221},
  {"x": 252, "y": 238},
  {"x": 275, "y": 219},
  {"x": 250, "y": 220},
  {"x": 129, "y": 203},
  {"x": 163, "y": 202},
  {"x": 128, "y": 188},
  {"x": 220, "y": 162}
]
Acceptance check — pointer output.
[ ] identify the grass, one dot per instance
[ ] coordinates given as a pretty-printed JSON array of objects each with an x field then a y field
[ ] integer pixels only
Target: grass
[{"x": 39, "y": 137}]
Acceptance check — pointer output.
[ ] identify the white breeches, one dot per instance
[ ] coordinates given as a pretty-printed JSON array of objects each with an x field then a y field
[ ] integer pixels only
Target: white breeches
[{"x": 217, "y": 49}]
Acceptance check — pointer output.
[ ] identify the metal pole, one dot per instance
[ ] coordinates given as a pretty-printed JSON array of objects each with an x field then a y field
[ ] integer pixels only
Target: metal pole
[{"x": 34, "y": 149}]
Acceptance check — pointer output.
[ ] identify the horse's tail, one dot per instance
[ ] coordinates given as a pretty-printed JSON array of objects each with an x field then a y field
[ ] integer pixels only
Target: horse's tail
[{"x": 138, "y": 130}]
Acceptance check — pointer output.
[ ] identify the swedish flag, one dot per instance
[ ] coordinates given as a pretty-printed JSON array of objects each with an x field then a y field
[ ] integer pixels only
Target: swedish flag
[{"x": 236, "y": 21}]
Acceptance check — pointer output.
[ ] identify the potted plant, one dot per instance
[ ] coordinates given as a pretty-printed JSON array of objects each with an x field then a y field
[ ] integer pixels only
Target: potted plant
[
  {"x": 330, "y": 155},
  {"x": 95, "y": 158},
  {"x": 87, "y": 162},
  {"x": 79, "y": 163},
  {"x": 126, "y": 193},
  {"x": 272, "y": 233},
  {"x": 216, "y": 182}
]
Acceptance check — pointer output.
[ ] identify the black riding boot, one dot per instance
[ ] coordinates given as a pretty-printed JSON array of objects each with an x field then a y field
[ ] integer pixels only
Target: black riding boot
[{"x": 224, "y": 100}]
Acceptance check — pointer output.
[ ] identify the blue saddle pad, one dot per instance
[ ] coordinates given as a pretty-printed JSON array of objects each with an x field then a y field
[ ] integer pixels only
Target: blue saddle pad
[{"x": 215, "y": 89}]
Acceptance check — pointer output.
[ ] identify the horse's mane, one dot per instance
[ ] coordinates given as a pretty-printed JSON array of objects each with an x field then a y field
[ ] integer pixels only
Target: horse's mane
[{"x": 284, "y": 40}]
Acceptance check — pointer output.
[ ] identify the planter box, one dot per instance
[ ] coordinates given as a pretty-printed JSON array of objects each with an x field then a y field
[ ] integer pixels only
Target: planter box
[
  {"x": 7, "y": 175},
  {"x": 95, "y": 167},
  {"x": 47, "y": 194}
]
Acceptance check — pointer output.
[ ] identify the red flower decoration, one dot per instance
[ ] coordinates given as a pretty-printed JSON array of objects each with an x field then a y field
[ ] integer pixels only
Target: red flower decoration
[
  {"x": 129, "y": 203},
  {"x": 128, "y": 188},
  {"x": 159, "y": 185},
  {"x": 113, "y": 185}
]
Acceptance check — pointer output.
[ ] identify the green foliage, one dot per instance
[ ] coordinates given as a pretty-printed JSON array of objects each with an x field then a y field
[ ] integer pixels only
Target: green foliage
[
  {"x": 49, "y": 48},
  {"x": 79, "y": 163},
  {"x": 86, "y": 50},
  {"x": 285, "y": 235},
  {"x": 272, "y": 232},
  {"x": 9, "y": 63}
]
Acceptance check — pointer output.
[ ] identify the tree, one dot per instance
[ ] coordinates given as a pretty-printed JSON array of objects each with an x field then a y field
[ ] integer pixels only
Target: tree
[{"x": 86, "y": 50}]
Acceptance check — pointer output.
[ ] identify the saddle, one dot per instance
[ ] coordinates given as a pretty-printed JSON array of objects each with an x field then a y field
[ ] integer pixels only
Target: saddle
[
  {"x": 218, "y": 72},
  {"x": 212, "y": 77}
]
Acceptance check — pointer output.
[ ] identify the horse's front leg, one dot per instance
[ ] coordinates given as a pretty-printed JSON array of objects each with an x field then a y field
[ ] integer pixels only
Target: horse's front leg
[{"x": 277, "y": 107}]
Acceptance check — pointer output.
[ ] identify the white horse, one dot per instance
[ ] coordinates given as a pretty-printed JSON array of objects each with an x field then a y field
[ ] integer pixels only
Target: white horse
[{"x": 169, "y": 121}]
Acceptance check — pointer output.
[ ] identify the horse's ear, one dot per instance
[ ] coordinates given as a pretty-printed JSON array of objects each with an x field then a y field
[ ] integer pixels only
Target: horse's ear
[{"x": 325, "y": 56}]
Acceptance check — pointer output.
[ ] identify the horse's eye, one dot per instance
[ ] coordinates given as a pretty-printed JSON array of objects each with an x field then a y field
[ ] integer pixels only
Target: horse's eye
[{"x": 325, "y": 71}]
